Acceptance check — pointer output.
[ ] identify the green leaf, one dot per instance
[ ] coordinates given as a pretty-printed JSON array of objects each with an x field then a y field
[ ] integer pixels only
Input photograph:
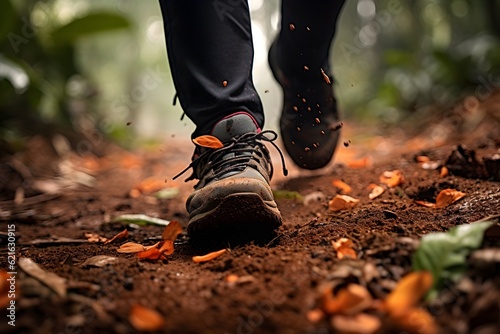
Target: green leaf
[
  {"x": 90, "y": 24},
  {"x": 140, "y": 220},
  {"x": 445, "y": 254},
  {"x": 286, "y": 194}
]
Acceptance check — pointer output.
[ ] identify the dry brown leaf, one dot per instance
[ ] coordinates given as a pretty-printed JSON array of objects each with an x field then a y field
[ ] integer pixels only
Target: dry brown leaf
[
  {"x": 315, "y": 315},
  {"x": 131, "y": 247},
  {"x": 444, "y": 172},
  {"x": 343, "y": 247},
  {"x": 122, "y": 235},
  {"x": 209, "y": 256},
  {"x": 208, "y": 141},
  {"x": 415, "y": 320},
  {"x": 172, "y": 230},
  {"x": 408, "y": 292},
  {"x": 448, "y": 196},
  {"x": 351, "y": 300},
  {"x": 342, "y": 202},
  {"x": 148, "y": 186},
  {"x": 360, "y": 163},
  {"x": 356, "y": 324},
  {"x": 392, "y": 178},
  {"x": 344, "y": 187},
  {"x": 376, "y": 192},
  {"x": 145, "y": 319},
  {"x": 95, "y": 238}
]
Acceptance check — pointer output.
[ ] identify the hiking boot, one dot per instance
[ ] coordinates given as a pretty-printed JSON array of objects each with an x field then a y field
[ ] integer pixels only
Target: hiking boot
[
  {"x": 233, "y": 200},
  {"x": 309, "y": 121}
]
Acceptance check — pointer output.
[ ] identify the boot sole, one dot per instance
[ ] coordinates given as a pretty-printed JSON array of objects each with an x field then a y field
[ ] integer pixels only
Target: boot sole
[{"x": 238, "y": 218}]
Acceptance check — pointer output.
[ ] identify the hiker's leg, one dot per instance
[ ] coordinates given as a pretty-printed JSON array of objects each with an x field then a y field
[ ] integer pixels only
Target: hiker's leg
[{"x": 210, "y": 53}]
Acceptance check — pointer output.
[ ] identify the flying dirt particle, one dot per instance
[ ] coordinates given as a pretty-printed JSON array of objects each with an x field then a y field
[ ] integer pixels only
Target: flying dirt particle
[
  {"x": 336, "y": 126},
  {"x": 317, "y": 105},
  {"x": 314, "y": 145},
  {"x": 224, "y": 83},
  {"x": 266, "y": 91},
  {"x": 298, "y": 129},
  {"x": 319, "y": 111},
  {"x": 322, "y": 132},
  {"x": 326, "y": 78},
  {"x": 306, "y": 68},
  {"x": 128, "y": 123},
  {"x": 317, "y": 120},
  {"x": 298, "y": 95},
  {"x": 308, "y": 29},
  {"x": 308, "y": 108},
  {"x": 304, "y": 100},
  {"x": 307, "y": 149},
  {"x": 295, "y": 109},
  {"x": 347, "y": 143},
  {"x": 293, "y": 143},
  {"x": 291, "y": 26}
]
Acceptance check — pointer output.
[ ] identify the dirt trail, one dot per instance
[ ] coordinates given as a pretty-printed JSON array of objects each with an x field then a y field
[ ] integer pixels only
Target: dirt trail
[{"x": 277, "y": 284}]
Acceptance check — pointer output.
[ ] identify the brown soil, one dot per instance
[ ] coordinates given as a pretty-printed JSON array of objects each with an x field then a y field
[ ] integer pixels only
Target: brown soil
[{"x": 279, "y": 282}]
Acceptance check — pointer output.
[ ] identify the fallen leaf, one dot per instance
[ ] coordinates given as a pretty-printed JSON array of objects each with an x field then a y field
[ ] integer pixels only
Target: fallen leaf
[
  {"x": 208, "y": 141},
  {"x": 444, "y": 172},
  {"x": 361, "y": 323},
  {"x": 360, "y": 163},
  {"x": 392, "y": 178},
  {"x": 99, "y": 261},
  {"x": 426, "y": 204},
  {"x": 342, "y": 202},
  {"x": 415, "y": 320},
  {"x": 376, "y": 192},
  {"x": 408, "y": 292},
  {"x": 145, "y": 319},
  {"x": 209, "y": 256},
  {"x": 171, "y": 231},
  {"x": 315, "y": 315},
  {"x": 140, "y": 219},
  {"x": 448, "y": 196},
  {"x": 53, "y": 281},
  {"x": 344, "y": 187},
  {"x": 158, "y": 251},
  {"x": 343, "y": 247},
  {"x": 286, "y": 194},
  {"x": 95, "y": 238},
  {"x": 147, "y": 186},
  {"x": 4, "y": 289},
  {"x": 445, "y": 254},
  {"x": 350, "y": 300},
  {"x": 122, "y": 235},
  {"x": 131, "y": 247}
]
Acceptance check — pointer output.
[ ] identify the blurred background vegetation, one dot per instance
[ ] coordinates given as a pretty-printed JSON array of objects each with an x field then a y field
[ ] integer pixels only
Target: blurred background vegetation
[{"x": 99, "y": 68}]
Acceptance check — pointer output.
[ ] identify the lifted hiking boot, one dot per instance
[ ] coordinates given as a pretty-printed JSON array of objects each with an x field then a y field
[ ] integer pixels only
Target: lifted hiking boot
[
  {"x": 309, "y": 121},
  {"x": 233, "y": 200}
]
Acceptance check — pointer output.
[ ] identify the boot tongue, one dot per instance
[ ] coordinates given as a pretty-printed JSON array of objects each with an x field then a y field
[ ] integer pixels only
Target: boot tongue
[{"x": 234, "y": 125}]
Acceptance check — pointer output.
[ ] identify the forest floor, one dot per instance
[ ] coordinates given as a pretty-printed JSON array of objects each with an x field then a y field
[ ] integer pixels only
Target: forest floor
[{"x": 273, "y": 287}]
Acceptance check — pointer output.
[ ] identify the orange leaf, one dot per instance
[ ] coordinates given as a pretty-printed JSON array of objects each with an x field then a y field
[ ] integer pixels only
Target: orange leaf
[
  {"x": 167, "y": 248},
  {"x": 147, "y": 186},
  {"x": 356, "y": 324},
  {"x": 172, "y": 230},
  {"x": 343, "y": 247},
  {"x": 95, "y": 238},
  {"x": 208, "y": 141},
  {"x": 376, "y": 192},
  {"x": 145, "y": 319},
  {"x": 444, "y": 172},
  {"x": 315, "y": 315},
  {"x": 344, "y": 187},
  {"x": 415, "y": 320},
  {"x": 209, "y": 256},
  {"x": 152, "y": 253},
  {"x": 361, "y": 163},
  {"x": 342, "y": 202},
  {"x": 426, "y": 204},
  {"x": 448, "y": 196},
  {"x": 232, "y": 278},
  {"x": 392, "y": 178},
  {"x": 131, "y": 247},
  {"x": 408, "y": 292},
  {"x": 350, "y": 300},
  {"x": 122, "y": 235}
]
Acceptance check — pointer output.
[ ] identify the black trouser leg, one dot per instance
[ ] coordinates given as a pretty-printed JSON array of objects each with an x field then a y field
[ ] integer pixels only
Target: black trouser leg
[
  {"x": 209, "y": 44},
  {"x": 307, "y": 42}
]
